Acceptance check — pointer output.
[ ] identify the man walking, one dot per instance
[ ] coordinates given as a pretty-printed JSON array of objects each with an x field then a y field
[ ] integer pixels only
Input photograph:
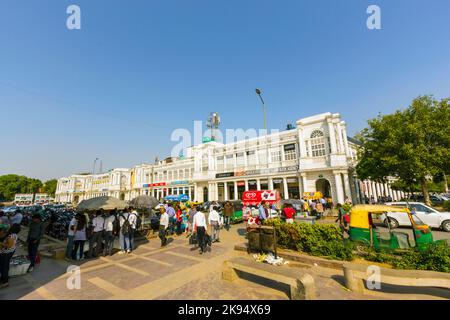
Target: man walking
[
  {"x": 163, "y": 226},
  {"x": 228, "y": 212},
  {"x": 200, "y": 228},
  {"x": 35, "y": 234},
  {"x": 97, "y": 235},
  {"x": 214, "y": 223}
]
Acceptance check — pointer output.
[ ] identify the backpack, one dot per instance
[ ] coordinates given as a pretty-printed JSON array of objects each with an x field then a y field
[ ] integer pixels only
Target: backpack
[
  {"x": 138, "y": 222},
  {"x": 126, "y": 227},
  {"x": 116, "y": 226}
]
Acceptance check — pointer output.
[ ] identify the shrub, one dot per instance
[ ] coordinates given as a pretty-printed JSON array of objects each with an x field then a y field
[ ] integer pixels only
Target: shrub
[
  {"x": 436, "y": 258},
  {"x": 446, "y": 205},
  {"x": 323, "y": 240}
]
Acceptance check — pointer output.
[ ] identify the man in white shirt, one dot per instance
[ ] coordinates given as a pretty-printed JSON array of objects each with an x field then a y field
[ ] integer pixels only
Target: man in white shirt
[
  {"x": 163, "y": 225},
  {"x": 108, "y": 235},
  {"x": 70, "y": 236},
  {"x": 16, "y": 218},
  {"x": 97, "y": 235},
  {"x": 200, "y": 228},
  {"x": 214, "y": 223},
  {"x": 133, "y": 223}
]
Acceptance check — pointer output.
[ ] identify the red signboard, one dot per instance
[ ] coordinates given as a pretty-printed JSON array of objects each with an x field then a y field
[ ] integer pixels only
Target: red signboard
[{"x": 255, "y": 197}]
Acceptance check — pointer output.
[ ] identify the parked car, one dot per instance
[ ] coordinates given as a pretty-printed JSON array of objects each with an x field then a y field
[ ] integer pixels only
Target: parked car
[
  {"x": 428, "y": 215},
  {"x": 435, "y": 199}
]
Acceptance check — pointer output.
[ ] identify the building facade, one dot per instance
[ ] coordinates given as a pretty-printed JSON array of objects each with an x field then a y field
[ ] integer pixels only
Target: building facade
[{"x": 316, "y": 155}]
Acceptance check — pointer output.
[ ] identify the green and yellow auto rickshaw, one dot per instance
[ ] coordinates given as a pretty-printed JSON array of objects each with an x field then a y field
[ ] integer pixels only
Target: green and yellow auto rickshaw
[{"x": 363, "y": 229}]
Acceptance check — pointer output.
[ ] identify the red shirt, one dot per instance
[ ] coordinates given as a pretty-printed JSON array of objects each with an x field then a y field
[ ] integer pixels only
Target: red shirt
[
  {"x": 289, "y": 213},
  {"x": 178, "y": 215}
]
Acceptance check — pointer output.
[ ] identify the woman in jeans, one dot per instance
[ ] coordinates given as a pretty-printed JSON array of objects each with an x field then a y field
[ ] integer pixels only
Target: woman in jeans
[
  {"x": 8, "y": 241},
  {"x": 79, "y": 236}
]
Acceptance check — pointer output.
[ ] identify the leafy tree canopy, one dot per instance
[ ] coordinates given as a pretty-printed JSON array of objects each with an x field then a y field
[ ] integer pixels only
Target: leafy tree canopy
[
  {"x": 412, "y": 145},
  {"x": 11, "y": 184}
]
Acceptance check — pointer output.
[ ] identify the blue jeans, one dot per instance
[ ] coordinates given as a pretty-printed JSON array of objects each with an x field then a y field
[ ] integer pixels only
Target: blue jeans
[
  {"x": 226, "y": 222},
  {"x": 69, "y": 248},
  {"x": 125, "y": 241}
]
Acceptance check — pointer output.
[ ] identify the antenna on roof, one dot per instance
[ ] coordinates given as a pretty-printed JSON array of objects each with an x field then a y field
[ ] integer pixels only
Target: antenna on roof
[{"x": 213, "y": 123}]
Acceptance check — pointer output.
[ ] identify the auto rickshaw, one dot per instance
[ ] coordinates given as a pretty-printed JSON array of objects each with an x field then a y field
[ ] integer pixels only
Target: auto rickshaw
[{"x": 363, "y": 229}]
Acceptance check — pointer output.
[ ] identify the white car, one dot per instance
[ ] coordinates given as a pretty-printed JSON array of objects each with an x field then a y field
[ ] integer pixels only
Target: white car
[{"x": 428, "y": 215}]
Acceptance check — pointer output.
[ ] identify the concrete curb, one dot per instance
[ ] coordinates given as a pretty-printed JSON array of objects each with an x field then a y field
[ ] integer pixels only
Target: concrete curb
[{"x": 298, "y": 257}]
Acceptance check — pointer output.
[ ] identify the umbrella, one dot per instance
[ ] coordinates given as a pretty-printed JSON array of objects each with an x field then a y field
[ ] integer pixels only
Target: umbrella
[
  {"x": 105, "y": 203},
  {"x": 144, "y": 202}
]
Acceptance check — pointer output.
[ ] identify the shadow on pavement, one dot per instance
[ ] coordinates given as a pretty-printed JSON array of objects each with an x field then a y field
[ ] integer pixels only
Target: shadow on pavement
[{"x": 398, "y": 290}]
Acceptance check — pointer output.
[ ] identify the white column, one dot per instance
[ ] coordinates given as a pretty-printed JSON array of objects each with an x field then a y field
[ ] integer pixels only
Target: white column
[
  {"x": 339, "y": 188},
  {"x": 246, "y": 185},
  {"x": 378, "y": 186},
  {"x": 332, "y": 136},
  {"x": 258, "y": 184},
  {"x": 344, "y": 133},
  {"x": 225, "y": 191},
  {"x": 309, "y": 148},
  {"x": 304, "y": 183},
  {"x": 285, "y": 187},
  {"x": 216, "y": 191},
  {"x": 189, "y": 193},
  {"x": 195, "y": 192},
  {"x": 341, "y": 142},
  {"x": 301, "y": 141},
  {"x": 348, "y": 191},
  {"x": 374, "y": 191},
  {"x": 270, "y": 181},
  {"x": 235, "y": 191}
]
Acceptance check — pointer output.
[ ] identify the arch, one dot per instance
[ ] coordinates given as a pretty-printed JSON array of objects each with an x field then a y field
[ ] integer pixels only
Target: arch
[
  {"x": 323, "y": 186},
  {"x": 205, "y": 194},
  {"x": 122, "y": 196},
  {"x": 76, "y": 199},
  {"x": 316, "y": 134}
]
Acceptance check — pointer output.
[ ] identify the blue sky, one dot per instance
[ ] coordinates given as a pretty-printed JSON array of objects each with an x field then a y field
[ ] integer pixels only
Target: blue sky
[{"x": 137, "y": 70}]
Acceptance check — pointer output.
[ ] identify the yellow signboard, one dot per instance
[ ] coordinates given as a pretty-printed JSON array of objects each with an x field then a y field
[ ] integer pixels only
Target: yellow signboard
[{"x": 313, "y": 195}]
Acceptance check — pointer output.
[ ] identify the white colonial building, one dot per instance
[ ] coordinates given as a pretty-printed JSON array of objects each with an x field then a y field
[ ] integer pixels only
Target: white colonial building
[{"x": 317, "y": 155}]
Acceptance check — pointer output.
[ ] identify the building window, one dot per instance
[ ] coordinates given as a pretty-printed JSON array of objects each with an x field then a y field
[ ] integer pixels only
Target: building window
[
  {"x": 230, "y": 161},
  {"x": 220, "y": 166},
  {"x": 262, "y": 154},
  {"x": 317, "y": 141},
  {"x": 289, "y": 152},
  {"x": 275, "y": 155},
  {"x": 240, "y": 160},
  {"x": 205, "y": 165},
  {"x": 251, "y": 158}
]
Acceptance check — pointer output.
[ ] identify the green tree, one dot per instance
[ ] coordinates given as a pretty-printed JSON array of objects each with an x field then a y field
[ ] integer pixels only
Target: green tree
[
  {"x": 50, "y": 187},
  {"x": 11, "y": 184},
  {"x": 412, "y": 145}
]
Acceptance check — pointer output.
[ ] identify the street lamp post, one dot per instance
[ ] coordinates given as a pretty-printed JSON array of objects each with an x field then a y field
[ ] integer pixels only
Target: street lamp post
[{"x": 258, "y": 92}]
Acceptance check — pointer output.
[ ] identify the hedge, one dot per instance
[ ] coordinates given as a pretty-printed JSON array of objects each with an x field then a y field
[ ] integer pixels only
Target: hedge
[{"x": 324, "y": 240}]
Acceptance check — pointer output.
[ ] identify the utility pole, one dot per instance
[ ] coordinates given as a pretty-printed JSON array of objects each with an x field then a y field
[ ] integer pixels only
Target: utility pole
[{"x": 258, "y": 92}]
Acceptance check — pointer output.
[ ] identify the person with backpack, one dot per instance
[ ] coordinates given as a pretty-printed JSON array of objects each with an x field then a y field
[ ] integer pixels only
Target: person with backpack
[{"x": 125, "y": 231}]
